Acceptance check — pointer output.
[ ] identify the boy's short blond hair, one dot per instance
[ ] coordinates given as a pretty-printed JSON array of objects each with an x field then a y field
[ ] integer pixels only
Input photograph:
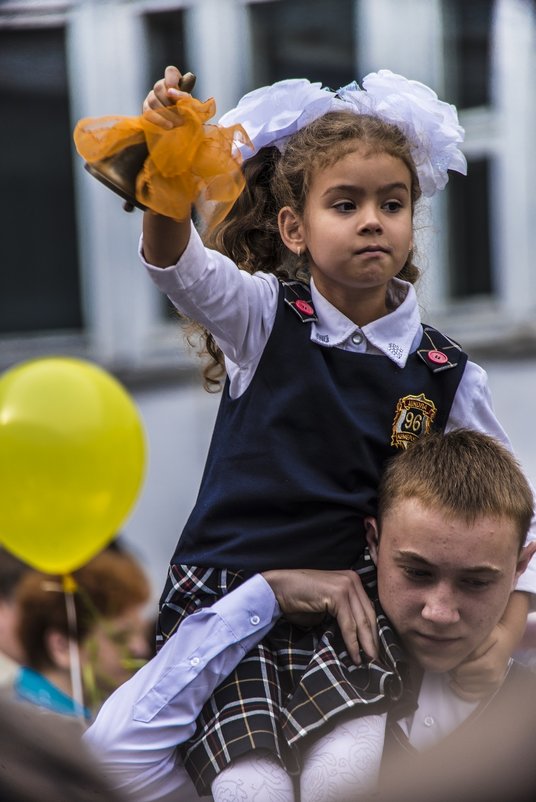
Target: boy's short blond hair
[{"x": 467, "y": 473}]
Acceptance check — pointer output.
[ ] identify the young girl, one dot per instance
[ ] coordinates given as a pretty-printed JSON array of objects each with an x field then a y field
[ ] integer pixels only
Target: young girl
[{"x": 329, "y": 372}]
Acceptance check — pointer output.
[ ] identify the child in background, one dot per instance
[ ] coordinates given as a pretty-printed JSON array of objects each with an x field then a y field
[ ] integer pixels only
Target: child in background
[
  {"x": 110, "y": 597},
  {"x": 329, "y": 372},
  {"x": 12, "y": 570}
]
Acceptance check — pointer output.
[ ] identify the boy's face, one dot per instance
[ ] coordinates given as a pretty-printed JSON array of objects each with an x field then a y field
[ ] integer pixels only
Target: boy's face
[{"x": 444, "y": 583}]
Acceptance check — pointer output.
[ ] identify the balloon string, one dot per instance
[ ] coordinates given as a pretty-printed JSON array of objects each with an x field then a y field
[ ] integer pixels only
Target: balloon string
[{"x": 69, "y": 588}]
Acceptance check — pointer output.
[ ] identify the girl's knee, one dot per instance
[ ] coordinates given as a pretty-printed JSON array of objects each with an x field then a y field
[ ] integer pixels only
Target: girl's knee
[
  {"x": 255, "y": 777},
  {"x": 344, "y": 763}
]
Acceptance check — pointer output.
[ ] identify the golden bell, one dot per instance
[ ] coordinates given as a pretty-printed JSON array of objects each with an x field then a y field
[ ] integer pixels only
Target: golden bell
[{"x": 119, "y": 172}]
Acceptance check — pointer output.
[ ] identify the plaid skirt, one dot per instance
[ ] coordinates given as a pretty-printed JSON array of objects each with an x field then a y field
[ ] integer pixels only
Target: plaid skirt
[{"x": 296, "y": 681}]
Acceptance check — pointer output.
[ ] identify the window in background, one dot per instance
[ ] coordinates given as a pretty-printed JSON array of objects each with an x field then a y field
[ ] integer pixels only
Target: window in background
[
  {"x": 469, "y": 215},
  {"x": 165, "y": 44},
  {"x": 468, "y": 70},
  {"x": 303, "y": 39},
  {"x": 467, "y": 26},
  {"x": 165, "y": 38},
  {"x": 39, "y": 280}
]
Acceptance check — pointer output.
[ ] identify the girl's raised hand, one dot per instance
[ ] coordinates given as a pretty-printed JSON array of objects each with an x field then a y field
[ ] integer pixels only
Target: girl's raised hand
[{"x": 159, "y": 105}]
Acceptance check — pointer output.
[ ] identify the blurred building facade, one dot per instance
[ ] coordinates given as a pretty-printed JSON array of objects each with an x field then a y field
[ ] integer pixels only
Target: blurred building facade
[{"x": 70, "y": 282}]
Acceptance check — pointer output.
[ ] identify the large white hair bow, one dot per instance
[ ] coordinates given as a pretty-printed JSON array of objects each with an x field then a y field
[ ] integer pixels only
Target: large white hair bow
[
  {"x": 273, "y": 113},
  {"x": 430, "y": 125}
]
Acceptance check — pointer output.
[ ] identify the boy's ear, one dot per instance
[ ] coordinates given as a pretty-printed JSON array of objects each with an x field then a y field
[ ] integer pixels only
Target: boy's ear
[
  {"x": 373, "y": 537},
  {"x": 291, "y": 230},
  {"x": 524, "y": 558}
]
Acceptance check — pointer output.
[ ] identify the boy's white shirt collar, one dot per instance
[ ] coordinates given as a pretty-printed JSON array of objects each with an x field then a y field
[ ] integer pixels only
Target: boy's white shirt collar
[
  {"x": 395, "y": 335},
  {"x": 440, "y": 711}
]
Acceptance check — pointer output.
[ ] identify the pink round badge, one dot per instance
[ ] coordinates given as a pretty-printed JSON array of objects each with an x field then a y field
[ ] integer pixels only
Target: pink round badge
[
  {"x": 304, "y": 307},
  {"x": 438, "y": 357}
]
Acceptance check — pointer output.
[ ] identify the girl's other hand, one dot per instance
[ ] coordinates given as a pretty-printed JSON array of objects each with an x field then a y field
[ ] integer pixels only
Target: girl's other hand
[
  {"x": 483, "y": 671},
  {"x": 159, "y": 105}
]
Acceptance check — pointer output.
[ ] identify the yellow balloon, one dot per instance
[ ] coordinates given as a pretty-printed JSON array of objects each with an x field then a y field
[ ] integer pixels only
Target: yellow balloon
[{"x": 72, "y": 457}]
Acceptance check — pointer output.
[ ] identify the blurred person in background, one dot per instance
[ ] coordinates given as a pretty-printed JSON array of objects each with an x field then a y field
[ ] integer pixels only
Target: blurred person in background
[
  {"x": 11, "y": 656},
  {"x": 489, "y": 759},
  {"x": 526, "y": 651},
  {"x": 43, "y": 765},
  {"x": 110, "y": 595}
]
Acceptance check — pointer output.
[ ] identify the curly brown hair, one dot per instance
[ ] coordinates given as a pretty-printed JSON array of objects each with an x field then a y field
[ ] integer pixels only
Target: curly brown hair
[{"x": 249, "y": 234}]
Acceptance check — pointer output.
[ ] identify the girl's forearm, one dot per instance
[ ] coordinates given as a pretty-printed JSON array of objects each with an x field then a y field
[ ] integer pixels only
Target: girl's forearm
[{"x": 164, "y": 239}]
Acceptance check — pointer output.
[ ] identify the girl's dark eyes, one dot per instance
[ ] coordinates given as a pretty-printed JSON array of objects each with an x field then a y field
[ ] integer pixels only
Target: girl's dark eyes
[
  {"x": 392, "y": 206},
  {"x": 344, "y": 206},
  {"x": 349, "y": 206}
]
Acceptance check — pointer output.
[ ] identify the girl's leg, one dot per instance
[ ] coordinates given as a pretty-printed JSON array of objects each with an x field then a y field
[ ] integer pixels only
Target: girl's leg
[
  {"x": 255, "y": 777},
  {"x": 345, "y": 762}
]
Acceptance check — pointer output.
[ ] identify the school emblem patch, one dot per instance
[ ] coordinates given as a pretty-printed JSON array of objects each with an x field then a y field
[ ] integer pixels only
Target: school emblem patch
[{"x": 414, "y": 416}]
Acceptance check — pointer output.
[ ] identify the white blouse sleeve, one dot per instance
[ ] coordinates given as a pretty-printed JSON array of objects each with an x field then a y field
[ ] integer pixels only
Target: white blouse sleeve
[
  {"x": 472, "y": 408},
  {"x": 236, "y": 307},
  {"x": 139, "y": 726}
]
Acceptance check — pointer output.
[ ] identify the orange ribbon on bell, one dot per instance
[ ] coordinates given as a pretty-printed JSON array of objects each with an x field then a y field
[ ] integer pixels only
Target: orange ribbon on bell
[{"x": 192, "y": 162}]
